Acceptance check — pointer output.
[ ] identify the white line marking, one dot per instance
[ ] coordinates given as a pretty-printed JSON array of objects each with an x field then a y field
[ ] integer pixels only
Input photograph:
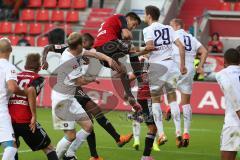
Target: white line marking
[{"x": 131, "y": 149}]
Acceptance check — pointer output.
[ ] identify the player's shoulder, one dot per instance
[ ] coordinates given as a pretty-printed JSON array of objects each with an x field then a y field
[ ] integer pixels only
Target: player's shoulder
[
  {"x": 221, "y": 74},
  {"x": 9, "y": 66}
]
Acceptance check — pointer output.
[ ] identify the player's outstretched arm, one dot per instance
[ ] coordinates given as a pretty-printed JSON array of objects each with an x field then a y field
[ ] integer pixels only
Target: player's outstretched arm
[
  {"x": 182, "y": 55},
  {"x": 32, "y": 96},
  {"x": 45, "y": 52},
  {"x": 113, "y": 64},
  {"x": 204, "y": 53},
  {"x": 15, "y": 89}
]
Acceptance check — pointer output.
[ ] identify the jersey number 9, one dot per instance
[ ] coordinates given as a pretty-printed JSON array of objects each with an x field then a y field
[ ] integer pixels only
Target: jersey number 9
[{"x": 187, "y": 42}]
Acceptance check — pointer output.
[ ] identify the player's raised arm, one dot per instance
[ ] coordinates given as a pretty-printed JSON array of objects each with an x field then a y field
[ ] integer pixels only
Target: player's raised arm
[
  {"x": 204, "y": 53},
  {"x": 112, "y": 63},
  {"x": 51, "y": 48},
  {"x": 182, "y": 55}
]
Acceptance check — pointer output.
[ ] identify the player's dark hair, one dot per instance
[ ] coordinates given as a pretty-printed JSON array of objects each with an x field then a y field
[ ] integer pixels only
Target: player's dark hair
[
  {"x": 134, "y": 16},
  {"x": 238, "y": 48},
  {"x": 33, "y": 61},
  {"x": 179, "y": 22},
  {"x": 232, "y": 56},
  {"x": 74, "y": 39},
  {"x": 153, "y": 11},
  {"x": 88, "y": 37},
  {"x": 217, "y": 34}
]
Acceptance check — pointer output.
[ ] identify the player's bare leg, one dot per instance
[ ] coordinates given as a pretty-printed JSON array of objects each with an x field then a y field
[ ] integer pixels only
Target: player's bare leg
[
  {"x": 50, "y": 152},
  {"x": 175, "y": 113},
  {"x": 228, "y": 155},
  {"x": 127, "y": 88},
  {"x": 187, "y": 116},
  {"x": 157, "y": 115}
]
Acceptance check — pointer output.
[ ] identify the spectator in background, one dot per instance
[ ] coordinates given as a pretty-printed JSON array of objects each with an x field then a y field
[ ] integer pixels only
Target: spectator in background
[
  {"x": 14, "y": 6},
  {"x": 56, "y": 36},
  {"x": 215, "y": 45},
  {"x": 23, "y": 41},
  {"x": 101, "y": 3}
]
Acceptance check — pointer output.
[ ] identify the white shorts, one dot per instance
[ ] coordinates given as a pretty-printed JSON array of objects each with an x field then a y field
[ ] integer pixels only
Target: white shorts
[
  {"x": 184, "y": 83},
  {"x": 74, "y": 108},
  {"x": 6, "y": 130},
  {"x": 230, "y": 139},
  {"x": 163, "y": 74}
]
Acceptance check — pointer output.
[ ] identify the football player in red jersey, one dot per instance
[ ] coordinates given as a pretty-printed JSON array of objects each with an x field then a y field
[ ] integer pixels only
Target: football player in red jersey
[
  {"x": 114, "y": 39},
  {"x": 23, "y": 110},
  {"x": 144, "y": 99}
]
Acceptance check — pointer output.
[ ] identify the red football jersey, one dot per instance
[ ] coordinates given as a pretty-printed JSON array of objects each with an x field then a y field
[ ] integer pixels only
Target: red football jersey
[
  {"x": 110, "y": 29},
  {"x": 18, "y": 105},
  {"x": 144, "y": 90}
]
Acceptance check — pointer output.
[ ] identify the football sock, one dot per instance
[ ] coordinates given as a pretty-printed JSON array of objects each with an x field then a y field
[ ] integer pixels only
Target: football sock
[
  {"x": 81, "y": 136},
  {"x": 62, "y": 147},
  {"x": 104, "y": 122},
  {"x": 9, "y": 153},
  {"x": 136, "y": 130},
  {"x": 175, "y": 111},
  {"x": 157, "y": 115},
  {"x": 148, "y": 144},
  {"x": 187, "y": 114},
  {"x": 52, "y": 155},
  {"x": 91, "y": 139}
]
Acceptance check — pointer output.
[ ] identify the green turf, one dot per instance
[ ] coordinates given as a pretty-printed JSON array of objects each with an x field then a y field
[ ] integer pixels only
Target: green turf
[{"x": 204, "y": 145}]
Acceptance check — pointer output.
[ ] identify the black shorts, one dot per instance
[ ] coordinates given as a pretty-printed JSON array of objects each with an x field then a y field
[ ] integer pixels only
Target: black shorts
[
  {"x": 36, "y": 141},
  {"x": 82, "y": 97},
  {"x": 147, "y": 111},
  {"x": 114, "y": 49}
]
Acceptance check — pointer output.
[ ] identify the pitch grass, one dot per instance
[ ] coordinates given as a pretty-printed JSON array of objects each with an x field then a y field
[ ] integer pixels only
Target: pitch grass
[{"x": 204, "y": 145}]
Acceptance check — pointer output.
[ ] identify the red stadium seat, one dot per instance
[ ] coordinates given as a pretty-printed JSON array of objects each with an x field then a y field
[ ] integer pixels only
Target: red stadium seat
[
  {"x": 42, "y": 15},
  {"x": 5, "y": 27},
  {"x": 27, "y": 15},
  {"x": 35, "y": 28},
  {"x": 21, "y": 28},
  {"x": 57, "y": 15},
  {"x": 64, "y": 3},
  {"x": 92, "y": 24},
  {"x": 35, "y": 3},
  {"x": 92, "y": 32},
  {"x": 67, "y": 28},
  {"x": 237, "y": 6},
  {"x": 103, "y": 10},
  {"x": 42, "y": 41},
  {"x": 79, "y": 4},
  {"x": 50, "y": 3},
  {"x": 225, "y": 6},
  {"x": 13, "y": 39},
  {"x": 72, "y": 16},
  {"x": 48, "y": 27},
  {"x": 31, "y": 40}
]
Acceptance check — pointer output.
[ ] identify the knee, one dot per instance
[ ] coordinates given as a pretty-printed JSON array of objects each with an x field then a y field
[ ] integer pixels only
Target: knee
[
  {"x": 88, "y": 127},
  {"x": 152, "y": 129},
  {"x": 70, "y": 135},
  {"x": 48, "y": 149}
]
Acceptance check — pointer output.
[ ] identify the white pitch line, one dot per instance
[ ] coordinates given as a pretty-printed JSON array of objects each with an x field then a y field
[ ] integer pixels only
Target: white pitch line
[
  {"x": 131, "y": 149},
  {"x": 167, "y": 128}
]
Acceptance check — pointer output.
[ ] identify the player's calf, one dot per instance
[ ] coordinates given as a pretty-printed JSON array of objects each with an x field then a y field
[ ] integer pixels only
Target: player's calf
[{"x": 50, "y": 152}]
